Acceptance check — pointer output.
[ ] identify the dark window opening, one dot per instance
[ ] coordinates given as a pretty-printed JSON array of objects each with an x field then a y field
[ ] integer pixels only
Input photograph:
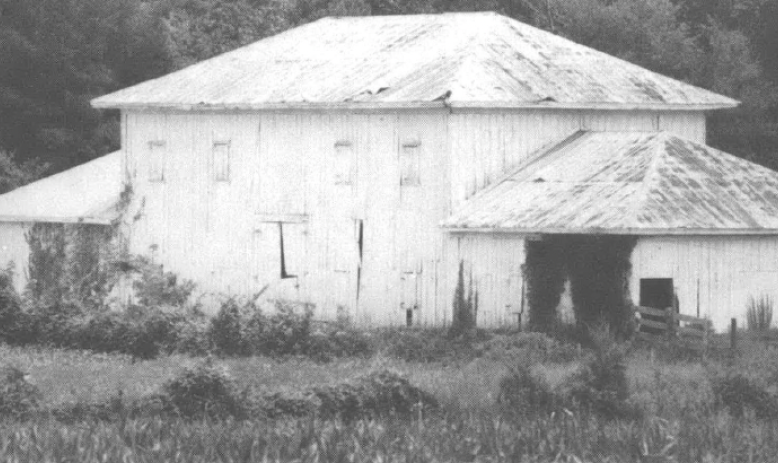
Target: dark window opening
[
  {"x": 283, "y": 256},
  {"x": 657, "y": 293},
  {"x": 409, "y": 316}
]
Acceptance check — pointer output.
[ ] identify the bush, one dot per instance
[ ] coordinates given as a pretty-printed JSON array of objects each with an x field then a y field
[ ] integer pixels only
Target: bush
[
  {"x": 204, "y": 390},
  {"x": 377, "y": 394},
  {"x": 225, "y": 332},
  {"x": 738, "y": 393},
  {"x": 523, "y": 392},
  {"x": 158, "y": 288},
  {"x": 601, "y": 384},
  {"x": 759, "y": 314},
  {"x": 18, "y": 398},
  {"x": 11, "y": 314}
]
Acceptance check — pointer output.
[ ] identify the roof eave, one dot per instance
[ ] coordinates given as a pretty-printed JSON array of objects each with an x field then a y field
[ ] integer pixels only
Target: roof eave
[
  {"x": 617, "y": 231},
  {"x": 47, "y": 219},
  {"x": 101, "y": 103}
]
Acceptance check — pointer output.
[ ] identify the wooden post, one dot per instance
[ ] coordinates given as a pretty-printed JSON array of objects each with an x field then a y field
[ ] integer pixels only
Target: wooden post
[{"x": 733, "y": 335}]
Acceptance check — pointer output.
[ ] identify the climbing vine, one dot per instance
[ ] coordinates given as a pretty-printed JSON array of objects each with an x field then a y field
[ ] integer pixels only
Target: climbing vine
[
  {"x": 544, "y": 274},
  {"x": 598, "y": 268}
]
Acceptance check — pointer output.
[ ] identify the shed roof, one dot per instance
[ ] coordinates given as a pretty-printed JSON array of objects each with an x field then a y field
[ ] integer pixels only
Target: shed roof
[
  {"x": 457, "y": 59},
  {"x": 87, "y": 193},
  {"x": 628, "y": 183}
]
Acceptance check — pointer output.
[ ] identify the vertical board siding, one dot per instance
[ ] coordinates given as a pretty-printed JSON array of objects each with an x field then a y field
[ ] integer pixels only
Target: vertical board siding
[
  {"x": 283, "y": 167},
  {"x": 492, "y": 264},
  {"x": 487, "y": 144},
  {"x": 729, "y": 270},
  {"x": 224, "y": 235}
]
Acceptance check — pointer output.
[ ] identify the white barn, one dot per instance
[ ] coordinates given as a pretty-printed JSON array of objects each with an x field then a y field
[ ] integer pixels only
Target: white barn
[{"x": 355, "y": 162}]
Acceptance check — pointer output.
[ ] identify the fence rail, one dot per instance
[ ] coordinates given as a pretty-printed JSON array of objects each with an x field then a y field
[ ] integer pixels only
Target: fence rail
[{"x": 655, "y": 323}]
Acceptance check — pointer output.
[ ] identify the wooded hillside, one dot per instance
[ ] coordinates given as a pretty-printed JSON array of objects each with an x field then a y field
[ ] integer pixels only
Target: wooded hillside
[{"x": 58, "y": 54}]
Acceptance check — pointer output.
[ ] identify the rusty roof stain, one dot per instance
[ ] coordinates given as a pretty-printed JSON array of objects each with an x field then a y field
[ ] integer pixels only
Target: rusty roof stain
[
  {"x": 88, "y": 193},
  {"x": 456, "y": 59},
  {"x": 628, "y": 182}
]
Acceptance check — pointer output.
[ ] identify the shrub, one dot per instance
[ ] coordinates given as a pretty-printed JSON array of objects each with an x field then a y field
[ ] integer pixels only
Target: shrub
[
  {"x": 288, "y": 330},
  {"x": 204, "y": 390},
  {"x": 18, "y": 398},
  {"x": 11, "y": 314},
  {"x": 465, "y": 308},
  {"x": 738, "y": 393},
  {"x": 601, "y": 384},
  {"x": 377, "y": 394},
  {"x": 523, "y": 392},
  {"x": 759, "y": 314},
  {"x": 225, "y": 331},
  {"x": 156, "y": 287},
  {"x": 149, "y": 332}
]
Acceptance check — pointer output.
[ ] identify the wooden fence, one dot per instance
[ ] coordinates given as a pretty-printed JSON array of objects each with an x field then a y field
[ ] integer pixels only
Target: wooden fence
[{"x": 666, "y": 323}]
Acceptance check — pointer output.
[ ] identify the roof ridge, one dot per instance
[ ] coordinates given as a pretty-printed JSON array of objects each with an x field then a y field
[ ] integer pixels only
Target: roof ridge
[{"x": 652, "y": 173}]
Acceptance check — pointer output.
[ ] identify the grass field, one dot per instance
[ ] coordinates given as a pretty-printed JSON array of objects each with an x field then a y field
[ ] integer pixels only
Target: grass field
[{"x": 680, "y": 419}]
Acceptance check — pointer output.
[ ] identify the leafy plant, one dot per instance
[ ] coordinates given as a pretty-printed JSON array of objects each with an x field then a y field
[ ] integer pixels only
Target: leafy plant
[
  {"x": 18, "y": 398},
  {"x": 737, "y": 393},
  {"x": 204, "y": 390},
  {"x": 759, "y": 313}
]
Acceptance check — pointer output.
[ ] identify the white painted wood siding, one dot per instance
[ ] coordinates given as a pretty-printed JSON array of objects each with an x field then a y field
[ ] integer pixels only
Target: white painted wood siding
[
  {"x": 225, "y": 236},
  {"x": 284, "y": 166},
  {"x": 493, "y": 263},
  {"x": 716, "y": 274}
]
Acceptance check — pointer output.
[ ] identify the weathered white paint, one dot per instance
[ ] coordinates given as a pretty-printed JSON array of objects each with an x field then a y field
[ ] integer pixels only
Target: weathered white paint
[
  {"x": 716, "y": 274},
  {"x": 492, "y": 268},
  {"x": 322, "y": 174},
  {"x": 14, "y": 251}
]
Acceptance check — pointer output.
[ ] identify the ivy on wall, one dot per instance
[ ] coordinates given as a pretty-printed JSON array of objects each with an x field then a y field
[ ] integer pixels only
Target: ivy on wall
[
  {"x": 69, "y": 262},
  {"x": 598, "y": 268}
]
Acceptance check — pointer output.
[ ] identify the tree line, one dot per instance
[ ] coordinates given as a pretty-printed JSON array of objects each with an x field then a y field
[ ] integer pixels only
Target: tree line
[{"x": 58, "y": 54}]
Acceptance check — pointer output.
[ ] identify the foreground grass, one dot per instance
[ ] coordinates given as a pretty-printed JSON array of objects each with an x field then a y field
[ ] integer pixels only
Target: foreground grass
[
  {"x": 453, "y": 437},
  {"x": 680, "y": 420},
  {"x": 65, "y": 376}
]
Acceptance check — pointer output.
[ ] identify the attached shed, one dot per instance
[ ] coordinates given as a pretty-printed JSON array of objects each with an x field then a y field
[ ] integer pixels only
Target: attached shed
[
  {"x": 706, "y": 222},
  {"x": 84, "y": 196}
]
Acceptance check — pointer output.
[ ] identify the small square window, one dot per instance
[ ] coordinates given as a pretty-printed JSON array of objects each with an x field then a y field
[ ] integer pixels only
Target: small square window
[
  {"x": 344, "y": 163},
  {"x": 157, "y": 150},
  {"x": 410, "y": 163},
  {"x": 221, "y": 161}
]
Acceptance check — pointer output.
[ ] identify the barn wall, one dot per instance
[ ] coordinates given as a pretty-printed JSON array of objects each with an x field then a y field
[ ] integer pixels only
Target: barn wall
[
  {"x": 14, "y": 248},
  {"x": 718, "y": 274},
  {"x": 488, "y": 144},
  {"x": 289, "y": 168},
  {"x": 492, "y": 263}
]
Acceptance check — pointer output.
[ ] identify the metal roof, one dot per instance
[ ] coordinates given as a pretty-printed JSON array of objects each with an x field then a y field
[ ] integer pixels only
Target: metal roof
[
  {"x": 87, "y": 193},
  {"x": 452, "y": 59},
  {"x": 630, "y": 183}
]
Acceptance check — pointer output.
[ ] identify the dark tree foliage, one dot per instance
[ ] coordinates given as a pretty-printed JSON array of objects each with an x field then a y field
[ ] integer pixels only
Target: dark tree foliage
[{"x": 57, "y": 55}]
